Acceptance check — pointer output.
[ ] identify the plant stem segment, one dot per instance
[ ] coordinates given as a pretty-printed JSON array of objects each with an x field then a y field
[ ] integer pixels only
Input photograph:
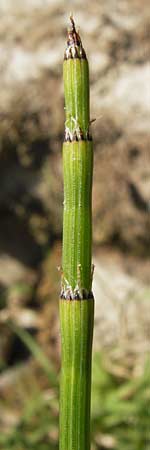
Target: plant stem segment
[
  {"x": 76, "y": 302},
  {"x": 77, "y": 226},
  {"x": 76, "y": 331},
  {"x": 76, "y": 86}
]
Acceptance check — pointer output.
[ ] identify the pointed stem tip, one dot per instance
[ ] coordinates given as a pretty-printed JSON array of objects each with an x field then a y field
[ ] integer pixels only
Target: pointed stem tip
[
  {"x": 73, "y": 36},
  {"x": 72, "y": 23},
  {"x": 74, "y": 44}
]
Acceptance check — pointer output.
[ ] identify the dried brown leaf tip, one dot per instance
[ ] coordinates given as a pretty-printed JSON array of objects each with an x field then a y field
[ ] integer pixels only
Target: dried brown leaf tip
[{"x": 74, "y": 44}]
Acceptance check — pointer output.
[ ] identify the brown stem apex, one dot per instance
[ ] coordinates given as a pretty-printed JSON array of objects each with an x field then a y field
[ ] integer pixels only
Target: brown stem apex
[{"x": 74, "y": 44}]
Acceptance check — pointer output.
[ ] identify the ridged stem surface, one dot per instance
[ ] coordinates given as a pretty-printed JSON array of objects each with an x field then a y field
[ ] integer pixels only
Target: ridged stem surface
[
  {"x": 76, "y": 87},
  {"x": 77, "y": 222},
  {"x": 75, "y": 393}
]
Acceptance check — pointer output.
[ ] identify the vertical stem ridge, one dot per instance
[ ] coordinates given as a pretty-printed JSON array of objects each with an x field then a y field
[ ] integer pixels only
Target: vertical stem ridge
[{"x": 85, "y": 93}]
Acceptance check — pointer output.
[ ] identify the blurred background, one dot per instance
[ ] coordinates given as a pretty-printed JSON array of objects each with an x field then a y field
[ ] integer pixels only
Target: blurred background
[{"x": 32, "y": 41}]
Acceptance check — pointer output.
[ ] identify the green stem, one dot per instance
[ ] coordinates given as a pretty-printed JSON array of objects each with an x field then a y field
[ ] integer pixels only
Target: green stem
[
  {"x": 76, "y": 87},
  {"x": 75, "y": 392},
  {"x": 77, "y": 226},
  {"x": 76, "y": 302}
]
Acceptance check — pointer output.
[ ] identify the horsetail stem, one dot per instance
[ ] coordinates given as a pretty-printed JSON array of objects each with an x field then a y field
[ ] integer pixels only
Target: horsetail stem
[{"x": 76, "y": 302}]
